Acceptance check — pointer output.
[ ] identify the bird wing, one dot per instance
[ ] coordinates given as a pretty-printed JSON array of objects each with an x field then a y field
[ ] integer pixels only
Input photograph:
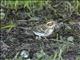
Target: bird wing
[
  {"x": 40, "y": 29},
  {"x": 38, "y": 33}
]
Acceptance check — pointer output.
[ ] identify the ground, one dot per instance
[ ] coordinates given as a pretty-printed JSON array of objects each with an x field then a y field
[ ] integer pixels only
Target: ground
[{"x": 18, "y": 18}]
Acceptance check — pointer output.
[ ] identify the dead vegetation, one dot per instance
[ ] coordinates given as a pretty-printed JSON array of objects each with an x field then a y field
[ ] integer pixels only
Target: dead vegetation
[{"x": 19, "y": 17}]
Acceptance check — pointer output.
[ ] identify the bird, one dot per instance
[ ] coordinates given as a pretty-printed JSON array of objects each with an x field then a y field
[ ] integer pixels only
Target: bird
[{"x": 44, "y": 30}]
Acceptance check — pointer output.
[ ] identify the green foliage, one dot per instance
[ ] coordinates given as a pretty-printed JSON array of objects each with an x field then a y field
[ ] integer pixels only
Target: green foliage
[
  {"x": 13, "y": 4},
  {"x": 57, "y": 55},
  {"x": 78, "y": 57},
  {"x": 9, "y": 27},
  {"x": 76, "y": 6}
]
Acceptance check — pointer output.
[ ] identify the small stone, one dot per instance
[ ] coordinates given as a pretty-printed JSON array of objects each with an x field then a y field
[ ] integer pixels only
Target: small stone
[
  {"x": 24, "y": 54},
  {"x": 70, "y": 38},
  {"x": 2, "y": 15},
  {"x": 28, "y": 59}
]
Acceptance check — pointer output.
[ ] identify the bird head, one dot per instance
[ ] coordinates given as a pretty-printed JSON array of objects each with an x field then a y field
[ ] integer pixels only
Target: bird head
[{"x": 51, "y": 24}]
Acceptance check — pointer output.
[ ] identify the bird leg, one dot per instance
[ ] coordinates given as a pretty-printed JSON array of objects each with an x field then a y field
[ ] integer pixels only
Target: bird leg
[{"x": 38, "y": 37}]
